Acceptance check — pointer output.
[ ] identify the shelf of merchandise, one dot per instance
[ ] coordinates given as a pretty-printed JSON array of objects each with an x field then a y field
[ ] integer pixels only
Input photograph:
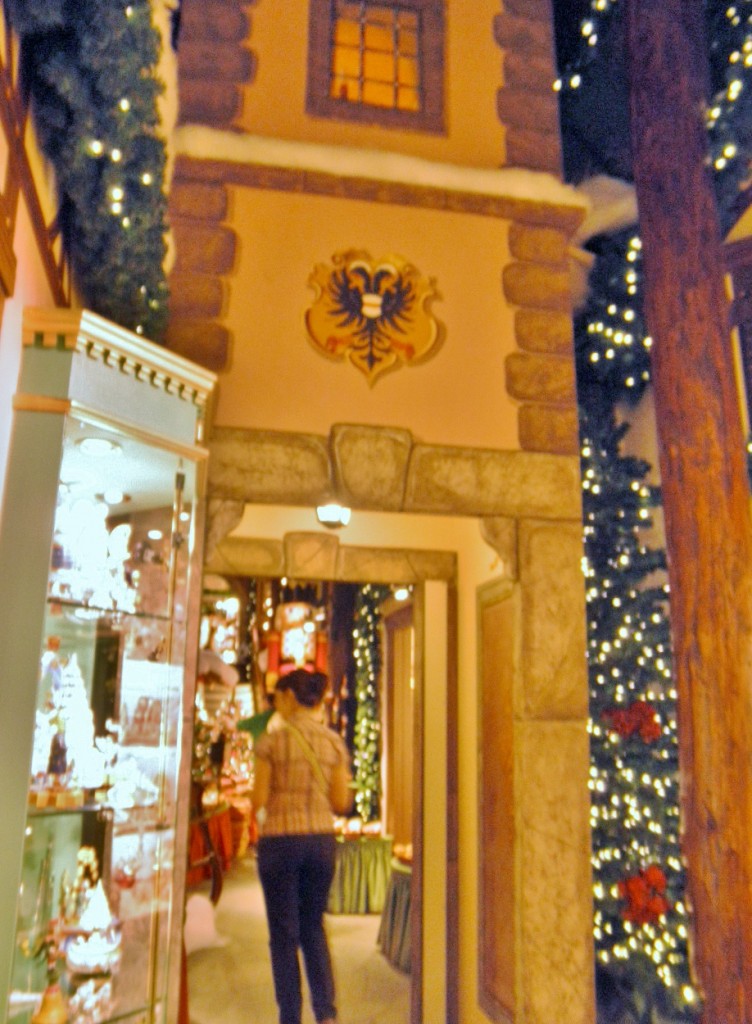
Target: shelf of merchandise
[{"x": 100, "y": 563}]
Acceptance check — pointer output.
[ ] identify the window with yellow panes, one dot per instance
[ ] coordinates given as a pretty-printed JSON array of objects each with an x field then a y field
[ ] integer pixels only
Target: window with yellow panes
[
  {"x": 378, "y": 62},
  {"x": 375, "y": 55}
]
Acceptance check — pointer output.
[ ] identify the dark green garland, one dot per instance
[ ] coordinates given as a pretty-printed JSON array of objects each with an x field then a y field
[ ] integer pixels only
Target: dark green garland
[
  {"x": 89, "y": 67},
  {"x": 367, "y": 739}
]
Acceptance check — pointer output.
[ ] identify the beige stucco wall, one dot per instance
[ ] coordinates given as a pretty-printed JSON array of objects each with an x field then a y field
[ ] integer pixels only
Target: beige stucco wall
[
  {"x": 274, "y": 103},
  {"x": 277, "y": 380}
]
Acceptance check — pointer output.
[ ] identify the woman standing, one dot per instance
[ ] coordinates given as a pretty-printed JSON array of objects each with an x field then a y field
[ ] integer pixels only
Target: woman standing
[{"x": 302, "y": 777}]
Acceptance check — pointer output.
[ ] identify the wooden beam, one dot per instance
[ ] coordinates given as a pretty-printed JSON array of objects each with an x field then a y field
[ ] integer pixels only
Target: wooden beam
[{"x": 705, "y": 488}]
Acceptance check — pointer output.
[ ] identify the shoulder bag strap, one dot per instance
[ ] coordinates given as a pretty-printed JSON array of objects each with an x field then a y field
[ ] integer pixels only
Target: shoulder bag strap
[{"x": 309, "y": 755}]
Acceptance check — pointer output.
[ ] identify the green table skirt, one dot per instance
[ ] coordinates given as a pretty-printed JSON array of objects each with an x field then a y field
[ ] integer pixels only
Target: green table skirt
[
  {"x": 394, "y": 931},
  {"x": 361, "y": 875}
]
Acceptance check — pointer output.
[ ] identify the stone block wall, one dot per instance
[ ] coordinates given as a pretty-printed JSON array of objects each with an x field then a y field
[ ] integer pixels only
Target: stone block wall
[
  {"x": 526, "y": 103},
  {"x": 541, "y": 375},
  {"x": 214, "y": 61},
  {"x": 205, "y": 253}
]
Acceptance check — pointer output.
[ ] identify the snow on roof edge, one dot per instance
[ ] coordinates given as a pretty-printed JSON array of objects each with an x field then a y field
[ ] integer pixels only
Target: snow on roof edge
[{"x": 203, "y": 143}]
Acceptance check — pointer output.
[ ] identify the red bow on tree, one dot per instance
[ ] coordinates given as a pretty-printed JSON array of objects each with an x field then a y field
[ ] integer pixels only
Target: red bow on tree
[
  {"x": 644, "y": 897},
  {"x": 640, "y": 717}
]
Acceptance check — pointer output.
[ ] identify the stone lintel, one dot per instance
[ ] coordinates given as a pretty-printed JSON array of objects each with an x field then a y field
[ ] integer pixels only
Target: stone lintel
[
  {"x": 311, "y": 556},
  {"x": 553, "y": 639},
  {"x": 244, "y": 556},
  {"x": 370, "y": 465},
  {"x": 276, "y": 467},
  {"x": 316, "y": 556},
  {"x": 374, "y": 565},
  {"x": 268, "y": 467},
  {"x": 482, "y": 482},
  {"x": 299, "y": 179}
]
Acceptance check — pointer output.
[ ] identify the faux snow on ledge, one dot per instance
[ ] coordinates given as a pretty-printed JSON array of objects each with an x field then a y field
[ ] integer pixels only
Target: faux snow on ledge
[{"x": 512, "y": 183}]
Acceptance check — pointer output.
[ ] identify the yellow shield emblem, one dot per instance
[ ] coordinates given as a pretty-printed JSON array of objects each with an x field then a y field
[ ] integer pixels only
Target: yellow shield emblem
[{"x": 374, "y": 313}]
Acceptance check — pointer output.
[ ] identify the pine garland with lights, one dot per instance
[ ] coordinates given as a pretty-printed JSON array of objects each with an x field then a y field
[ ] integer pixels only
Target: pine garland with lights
[
  {"x": 367, "y": 737},
  {"x": 89, "y": 69},
  {"x": 640, "y": 915},
  {"x": 730, "y": 113}
]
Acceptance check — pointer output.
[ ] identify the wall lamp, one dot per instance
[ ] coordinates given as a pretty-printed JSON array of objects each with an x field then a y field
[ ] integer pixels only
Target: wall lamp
[{"x": 333, "y": 515}]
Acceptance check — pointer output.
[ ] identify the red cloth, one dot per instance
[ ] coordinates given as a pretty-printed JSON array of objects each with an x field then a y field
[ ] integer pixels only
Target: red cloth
[{"x": 220, "y": 832}]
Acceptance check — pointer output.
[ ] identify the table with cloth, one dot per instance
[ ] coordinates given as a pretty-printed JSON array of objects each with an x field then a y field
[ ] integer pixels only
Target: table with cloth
[
  {"x": 394, "y": 931},
  {"x": 361, "y": 874}
]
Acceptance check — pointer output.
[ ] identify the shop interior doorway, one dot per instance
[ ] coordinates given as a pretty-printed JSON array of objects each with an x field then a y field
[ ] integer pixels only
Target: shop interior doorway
[{"x": 363, "y": 636}]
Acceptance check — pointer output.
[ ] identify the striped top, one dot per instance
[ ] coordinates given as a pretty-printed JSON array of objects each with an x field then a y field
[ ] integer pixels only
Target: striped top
[{"x": 297, "y": 803}]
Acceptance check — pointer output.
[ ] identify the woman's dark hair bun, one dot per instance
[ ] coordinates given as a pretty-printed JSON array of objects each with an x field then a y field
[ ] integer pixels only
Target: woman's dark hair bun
[{"x": 308, "y": 687}]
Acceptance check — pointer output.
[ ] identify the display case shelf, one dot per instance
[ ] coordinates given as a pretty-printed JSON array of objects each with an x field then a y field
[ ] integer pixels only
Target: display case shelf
[
  {"x": 97, "y": 669},
  {"x": 113, "y": 615}
]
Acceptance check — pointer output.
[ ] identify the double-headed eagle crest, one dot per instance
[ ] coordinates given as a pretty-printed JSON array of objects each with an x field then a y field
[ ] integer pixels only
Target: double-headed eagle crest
[{"x": 374, "y": 313}]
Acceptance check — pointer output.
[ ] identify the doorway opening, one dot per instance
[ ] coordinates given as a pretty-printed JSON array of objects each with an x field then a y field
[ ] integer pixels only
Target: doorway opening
[{"x": 363, "y": 636}]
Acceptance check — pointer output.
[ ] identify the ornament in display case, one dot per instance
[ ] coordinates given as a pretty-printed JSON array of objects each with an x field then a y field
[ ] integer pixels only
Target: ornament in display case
[{"x": 94, "y": 948}]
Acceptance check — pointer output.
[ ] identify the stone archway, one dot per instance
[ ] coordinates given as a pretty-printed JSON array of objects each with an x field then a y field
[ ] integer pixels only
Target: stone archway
[{"x": 528, "y": 508}]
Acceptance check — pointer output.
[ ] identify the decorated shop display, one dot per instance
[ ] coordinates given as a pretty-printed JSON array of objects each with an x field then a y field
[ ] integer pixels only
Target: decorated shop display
[
  {"x": 295, "y": 640},
  {"x": 96, "y": 675},
  {"x": 77, "y": 938}
]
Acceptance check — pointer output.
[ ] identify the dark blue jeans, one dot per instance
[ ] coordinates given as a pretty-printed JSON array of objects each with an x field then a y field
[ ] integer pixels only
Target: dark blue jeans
[{"x": 296, "y": 874}]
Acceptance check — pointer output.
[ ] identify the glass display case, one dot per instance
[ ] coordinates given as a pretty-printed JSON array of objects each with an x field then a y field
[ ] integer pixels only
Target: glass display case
[{"x": 107, "y": 446}]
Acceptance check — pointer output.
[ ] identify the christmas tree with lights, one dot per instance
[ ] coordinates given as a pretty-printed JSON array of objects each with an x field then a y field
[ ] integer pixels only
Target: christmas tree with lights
[
  {"x": 367, "y": 739},
  {"x": 641, "y": 923}
]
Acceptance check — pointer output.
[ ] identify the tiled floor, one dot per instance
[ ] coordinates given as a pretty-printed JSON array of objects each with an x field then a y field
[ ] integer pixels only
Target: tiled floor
[{"x": 231, "y": 984}]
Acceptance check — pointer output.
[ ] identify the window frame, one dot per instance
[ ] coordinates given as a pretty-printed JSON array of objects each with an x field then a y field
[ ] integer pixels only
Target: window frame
[{"x": 431, "y": 66}]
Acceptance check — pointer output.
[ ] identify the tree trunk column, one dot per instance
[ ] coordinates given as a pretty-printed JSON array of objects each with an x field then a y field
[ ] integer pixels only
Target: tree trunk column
[{"x": 705, "y": 489}]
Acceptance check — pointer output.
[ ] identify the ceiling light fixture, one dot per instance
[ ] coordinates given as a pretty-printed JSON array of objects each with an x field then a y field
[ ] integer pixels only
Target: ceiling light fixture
[{"x": 333, "y": 515}]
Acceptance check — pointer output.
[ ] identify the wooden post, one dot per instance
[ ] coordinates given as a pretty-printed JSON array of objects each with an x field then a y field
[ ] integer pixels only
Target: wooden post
[{"x": 705, "y": 488}]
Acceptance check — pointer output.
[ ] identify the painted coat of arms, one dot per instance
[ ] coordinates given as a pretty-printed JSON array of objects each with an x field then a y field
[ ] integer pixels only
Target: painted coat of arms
[{"x": 372, "y": 312}]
